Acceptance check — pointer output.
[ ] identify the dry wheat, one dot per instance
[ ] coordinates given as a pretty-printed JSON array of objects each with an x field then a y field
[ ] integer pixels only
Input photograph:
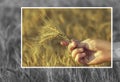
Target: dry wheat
[{"x": 50, "y": 31}]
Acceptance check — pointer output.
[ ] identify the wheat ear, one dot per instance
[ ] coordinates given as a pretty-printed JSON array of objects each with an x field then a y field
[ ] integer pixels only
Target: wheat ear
[{"x": 49, "y": 32}]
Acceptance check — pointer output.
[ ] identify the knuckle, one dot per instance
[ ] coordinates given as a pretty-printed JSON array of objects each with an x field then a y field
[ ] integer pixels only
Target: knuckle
[
  {"x": 71, "y": 46},
  {"x": 74, "y": 52}
]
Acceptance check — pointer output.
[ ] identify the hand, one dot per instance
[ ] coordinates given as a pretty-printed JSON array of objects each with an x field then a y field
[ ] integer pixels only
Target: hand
[{"x": 89, "y": 52}]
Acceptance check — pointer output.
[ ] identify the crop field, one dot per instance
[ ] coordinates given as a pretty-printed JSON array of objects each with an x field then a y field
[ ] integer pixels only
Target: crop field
[{"x": 43, "y": 29}]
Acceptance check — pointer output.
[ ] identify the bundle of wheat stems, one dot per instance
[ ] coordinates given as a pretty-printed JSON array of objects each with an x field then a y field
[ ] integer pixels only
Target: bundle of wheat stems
[{"x": 50, "y": 31}]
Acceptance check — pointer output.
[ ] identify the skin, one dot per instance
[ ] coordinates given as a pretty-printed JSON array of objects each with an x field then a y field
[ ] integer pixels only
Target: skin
[{"x": 89, "y": 52}]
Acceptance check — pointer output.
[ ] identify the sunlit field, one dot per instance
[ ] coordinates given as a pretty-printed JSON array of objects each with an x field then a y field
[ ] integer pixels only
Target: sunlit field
[{"x": 43, "y": 29}]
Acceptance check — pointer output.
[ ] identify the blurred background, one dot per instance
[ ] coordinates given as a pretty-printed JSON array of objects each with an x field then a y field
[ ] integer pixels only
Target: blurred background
[{"x": 10, "y": 66}]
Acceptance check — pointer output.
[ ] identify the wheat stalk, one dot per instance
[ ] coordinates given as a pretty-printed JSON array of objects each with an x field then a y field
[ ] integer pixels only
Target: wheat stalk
[{"x": 50, "y": 31}]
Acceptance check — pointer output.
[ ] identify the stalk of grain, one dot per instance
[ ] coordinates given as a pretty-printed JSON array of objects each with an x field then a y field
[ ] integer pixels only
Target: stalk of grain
[{"x": 49, "y": 32}]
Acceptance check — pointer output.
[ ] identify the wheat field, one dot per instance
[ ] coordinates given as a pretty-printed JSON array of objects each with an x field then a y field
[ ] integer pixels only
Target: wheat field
[{"x": 43, "y": 29}]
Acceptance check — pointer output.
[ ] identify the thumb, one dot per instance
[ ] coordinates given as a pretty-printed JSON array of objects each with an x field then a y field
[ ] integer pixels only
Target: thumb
[{"x": 96, "y": 59}]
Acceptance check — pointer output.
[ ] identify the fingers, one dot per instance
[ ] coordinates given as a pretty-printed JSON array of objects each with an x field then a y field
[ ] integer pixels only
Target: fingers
[
  {"x": 81, "y": 58},
  {"x": 77, "y": 51},
  {"x": 72, "y": 46}
]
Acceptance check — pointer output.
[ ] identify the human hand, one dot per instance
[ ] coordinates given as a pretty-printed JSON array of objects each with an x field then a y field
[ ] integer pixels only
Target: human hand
[{"x": 89, "y": 52}]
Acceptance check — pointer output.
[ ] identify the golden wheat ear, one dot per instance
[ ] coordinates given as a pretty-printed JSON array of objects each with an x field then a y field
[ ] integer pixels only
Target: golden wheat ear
[{"x": 49, "y": 32}]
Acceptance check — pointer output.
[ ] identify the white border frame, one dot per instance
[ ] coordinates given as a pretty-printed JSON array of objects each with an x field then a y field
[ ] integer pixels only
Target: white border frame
[{"x": 71, "y": 8}]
